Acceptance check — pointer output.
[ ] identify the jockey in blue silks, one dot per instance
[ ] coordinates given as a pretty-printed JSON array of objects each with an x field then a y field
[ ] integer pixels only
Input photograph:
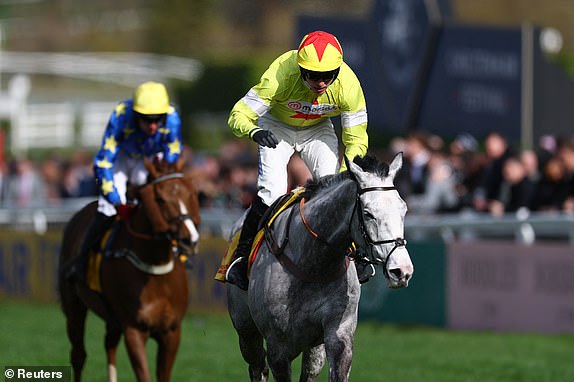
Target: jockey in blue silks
[{"x": 146, "y": 125}]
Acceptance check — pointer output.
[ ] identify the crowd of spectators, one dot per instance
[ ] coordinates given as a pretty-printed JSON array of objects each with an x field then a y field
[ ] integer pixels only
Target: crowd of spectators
[
  {"x": 437, "y": 177},
  {"x": 26, "y": 183},
  {"x": 494, "y": 178}
]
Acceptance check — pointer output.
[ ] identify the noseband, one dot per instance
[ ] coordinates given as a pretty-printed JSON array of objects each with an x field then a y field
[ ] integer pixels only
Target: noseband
[{"x": 398, "y": 242}]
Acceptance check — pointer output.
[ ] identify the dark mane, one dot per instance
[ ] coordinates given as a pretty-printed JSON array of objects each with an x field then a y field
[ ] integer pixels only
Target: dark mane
[{"x": 368, "y": 163}]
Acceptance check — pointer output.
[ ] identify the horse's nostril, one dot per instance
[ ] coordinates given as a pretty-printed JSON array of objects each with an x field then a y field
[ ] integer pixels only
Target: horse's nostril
[{"x": 396, "y": 272}]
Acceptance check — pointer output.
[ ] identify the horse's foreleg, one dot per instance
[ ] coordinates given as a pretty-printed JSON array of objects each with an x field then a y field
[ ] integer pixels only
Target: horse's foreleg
[
  {"x": 168, "y": 343},
  {"x": 135, "y": 340},
  {"x": 339, "y": 351},
  {"x": 76, "y": 313},
  {"x": 312, "y": 363},
  {"x": 113, "y": 336},
  {"x": 279, "y": 364},
  {"x": 250, "y": 340},
  {"x": 251, "y": 345}
]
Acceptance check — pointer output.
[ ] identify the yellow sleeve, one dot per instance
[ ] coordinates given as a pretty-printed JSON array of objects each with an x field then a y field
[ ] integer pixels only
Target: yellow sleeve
[
  {"x": 354, "y": 119},
  {"x": 242, "y": 119},
  {"x": 356, "y": 141},
  {"x": 257, "y": 101}
]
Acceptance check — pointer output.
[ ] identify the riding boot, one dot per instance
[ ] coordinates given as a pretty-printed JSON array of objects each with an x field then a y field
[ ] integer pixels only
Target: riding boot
[
  {"x": 99, "y": 224},
  {"x": 237, "y": 272}
]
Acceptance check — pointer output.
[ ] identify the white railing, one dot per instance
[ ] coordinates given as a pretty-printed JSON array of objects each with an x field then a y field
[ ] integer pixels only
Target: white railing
[
  {"x": 460, "y": 226},
  {"x": 44, "y": 126},
  {"x": 125, "y": 68},
  {"x": 53, "y": 125},
  {"x": 93, "y": 120}
]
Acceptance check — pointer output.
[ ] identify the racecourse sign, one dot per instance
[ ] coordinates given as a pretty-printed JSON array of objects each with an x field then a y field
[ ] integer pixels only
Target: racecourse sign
[{"x": 509, "y": 287}]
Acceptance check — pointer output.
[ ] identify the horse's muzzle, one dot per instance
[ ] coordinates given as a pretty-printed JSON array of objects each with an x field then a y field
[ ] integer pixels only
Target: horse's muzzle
[
  {"x": 398, "y": 279},
  {"x": 399, "y": 269}
]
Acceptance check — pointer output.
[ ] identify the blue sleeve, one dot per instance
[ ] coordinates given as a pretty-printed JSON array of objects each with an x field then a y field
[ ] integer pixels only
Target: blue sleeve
[
  {"x": 172, "y": 142},
  {"x": 105, "y": 158}
]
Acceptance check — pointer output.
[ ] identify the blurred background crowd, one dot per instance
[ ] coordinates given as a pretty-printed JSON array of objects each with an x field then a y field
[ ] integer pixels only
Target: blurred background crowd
[
  {"x": 465, "y": 174},
  {"x": 435, "y": 73}
]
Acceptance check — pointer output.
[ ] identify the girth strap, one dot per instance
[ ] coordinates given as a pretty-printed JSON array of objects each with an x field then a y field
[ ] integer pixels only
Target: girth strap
[{"x": 141, "y": 265}]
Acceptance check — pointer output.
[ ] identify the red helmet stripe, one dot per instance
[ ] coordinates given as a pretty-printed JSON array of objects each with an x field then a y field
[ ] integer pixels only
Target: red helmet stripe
[{"x": 320, "y": 40}]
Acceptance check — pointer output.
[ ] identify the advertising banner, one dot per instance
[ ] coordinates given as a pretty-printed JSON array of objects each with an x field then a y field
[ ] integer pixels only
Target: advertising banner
[
  {"x": 475, "y": 83},
  {"x": 385, "y": 51},
  {"x": 509, "y": 287},
  {"x": 422, "y": 302},
  {"x": 29, "y": 269}
]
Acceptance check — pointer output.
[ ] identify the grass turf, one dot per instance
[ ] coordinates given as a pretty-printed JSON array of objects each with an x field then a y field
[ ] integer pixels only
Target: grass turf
[{"x": 33, "y": 334}]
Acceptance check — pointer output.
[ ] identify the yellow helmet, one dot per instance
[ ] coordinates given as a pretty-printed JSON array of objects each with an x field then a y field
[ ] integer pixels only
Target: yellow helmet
[
  {"x": 320, "y": 52},
  {"x": 151, "y": 98}
]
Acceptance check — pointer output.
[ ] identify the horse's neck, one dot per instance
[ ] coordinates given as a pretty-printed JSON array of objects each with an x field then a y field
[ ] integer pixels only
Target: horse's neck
[
  {"x": 147, "y": 247},
  {"x": 331, "y": 209},
  {"x": 141, "y": 223},
  {"x": 328, "y": 215}
]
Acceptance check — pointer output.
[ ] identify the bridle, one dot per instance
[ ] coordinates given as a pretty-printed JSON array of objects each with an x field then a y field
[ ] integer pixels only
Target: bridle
[
  {"x": 180, "y": 219},
  {"x": 369, "y": 242},
  {"x": 355, "y": 254}
]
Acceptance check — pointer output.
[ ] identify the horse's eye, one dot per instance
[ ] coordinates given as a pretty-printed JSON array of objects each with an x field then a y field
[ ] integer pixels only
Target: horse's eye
[{"x": 369, "y": 215}]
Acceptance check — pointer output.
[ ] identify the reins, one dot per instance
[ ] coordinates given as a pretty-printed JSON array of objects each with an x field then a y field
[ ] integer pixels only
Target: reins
[
  {"x": 166, "y": 177},
  {"x": 181, "y": 218},
  {"x": 309, "y": 229},
  {"x": 174, "y": 241},
  {"x": 294, "y": 269}
]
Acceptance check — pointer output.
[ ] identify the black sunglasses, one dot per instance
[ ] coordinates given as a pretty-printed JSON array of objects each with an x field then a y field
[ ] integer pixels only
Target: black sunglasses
[
  {"x": 321, "y": 76},
  {"x": 152, "y": 118}
]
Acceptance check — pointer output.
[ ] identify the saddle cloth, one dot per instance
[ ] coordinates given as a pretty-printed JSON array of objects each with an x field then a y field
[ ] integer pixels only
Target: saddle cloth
[
  {"x": 276, "y": 209},
  {"x": 95, "y": 261}
]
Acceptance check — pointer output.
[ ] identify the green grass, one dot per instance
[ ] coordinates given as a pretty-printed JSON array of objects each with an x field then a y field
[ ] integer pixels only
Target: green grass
[{"x": 33, "y": 334}]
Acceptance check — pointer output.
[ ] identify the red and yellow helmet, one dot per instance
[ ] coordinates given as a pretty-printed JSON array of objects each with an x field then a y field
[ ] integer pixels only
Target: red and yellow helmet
[{"x": 320, "y": 52}]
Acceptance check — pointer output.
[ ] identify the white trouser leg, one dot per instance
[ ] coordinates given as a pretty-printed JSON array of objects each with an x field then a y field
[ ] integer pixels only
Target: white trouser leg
[
  {"x": 272, "y": 179},
  {"x": 125, "y": 169},
  {"x": 319, "y": 150},
  {"x": 318, "y": 146}
]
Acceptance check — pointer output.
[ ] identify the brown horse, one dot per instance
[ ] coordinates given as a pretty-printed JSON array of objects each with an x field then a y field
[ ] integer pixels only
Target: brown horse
[{"x": 143, "y": 284}]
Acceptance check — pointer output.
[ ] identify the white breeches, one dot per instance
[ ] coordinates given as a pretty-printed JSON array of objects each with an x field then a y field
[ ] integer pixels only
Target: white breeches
[
  {"x": 317, "y": 145},
  {"x": 126, "y": 170}
]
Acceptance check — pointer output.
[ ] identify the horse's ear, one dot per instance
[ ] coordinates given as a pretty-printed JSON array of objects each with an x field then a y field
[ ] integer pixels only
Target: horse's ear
[
  {"x": 346, "y": 159},
  {"x": 396, "y": 165},
  {"x": 353, "y": 168},
  {"x": 180, "y": 164}
]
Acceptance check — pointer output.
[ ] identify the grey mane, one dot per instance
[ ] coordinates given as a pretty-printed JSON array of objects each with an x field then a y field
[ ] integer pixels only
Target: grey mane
[{"x": 368, "y": 163}]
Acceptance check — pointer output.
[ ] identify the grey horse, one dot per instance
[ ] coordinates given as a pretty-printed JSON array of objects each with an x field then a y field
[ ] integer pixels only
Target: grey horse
[{"x": 303, "y": 292}]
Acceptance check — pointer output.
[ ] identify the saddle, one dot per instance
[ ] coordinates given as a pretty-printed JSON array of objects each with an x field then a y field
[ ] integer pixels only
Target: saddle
[
  {"x": 267, "y": 220},
  {"x": 95, "y": 258}
]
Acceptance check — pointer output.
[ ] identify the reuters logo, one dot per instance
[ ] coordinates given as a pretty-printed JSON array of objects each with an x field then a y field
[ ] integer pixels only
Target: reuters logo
[{"x": 293, "y": 105}]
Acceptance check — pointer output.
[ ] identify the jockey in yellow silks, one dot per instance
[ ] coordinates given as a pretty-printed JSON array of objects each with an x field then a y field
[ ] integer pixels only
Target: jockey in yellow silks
[{"x": 289, "y": 110}]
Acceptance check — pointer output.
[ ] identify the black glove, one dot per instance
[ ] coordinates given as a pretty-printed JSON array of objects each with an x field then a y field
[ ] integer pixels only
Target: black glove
[{"x": 265, "y": 138}]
